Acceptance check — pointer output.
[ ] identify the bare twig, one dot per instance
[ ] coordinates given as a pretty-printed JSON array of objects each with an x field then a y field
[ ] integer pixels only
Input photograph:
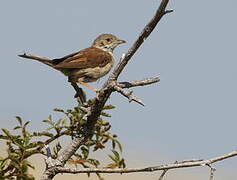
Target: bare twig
[
  {"x": 143, "y": 82},
  {"x": 129, "y": 95},
  {"x": 162, "y": 174},
  {"x": 119, "y": 88},
  {"x": 212, "y": 170},
  {"x": 183, "y": 164},
  {"x": 161, "y": 11},
  {"x": 190, "y": 160},
  {"x": 169, "y": 11}
]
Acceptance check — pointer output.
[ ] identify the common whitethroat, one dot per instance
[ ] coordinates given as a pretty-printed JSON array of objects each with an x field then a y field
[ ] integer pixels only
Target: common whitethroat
[{"x": 89, "y": 64}]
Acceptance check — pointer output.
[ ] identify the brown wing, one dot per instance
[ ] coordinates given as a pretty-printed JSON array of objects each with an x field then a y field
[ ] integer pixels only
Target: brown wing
[
  {"x": 58, "y": 60},
  {"x": 86, "y": 58}
]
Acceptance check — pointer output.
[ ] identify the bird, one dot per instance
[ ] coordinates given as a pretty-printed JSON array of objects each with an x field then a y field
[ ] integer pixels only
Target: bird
[{"x": 86, "y": 65}]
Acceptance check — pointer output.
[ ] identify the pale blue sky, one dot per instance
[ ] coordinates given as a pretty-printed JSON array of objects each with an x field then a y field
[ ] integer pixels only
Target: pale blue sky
[{"x": 191, "y": 113}]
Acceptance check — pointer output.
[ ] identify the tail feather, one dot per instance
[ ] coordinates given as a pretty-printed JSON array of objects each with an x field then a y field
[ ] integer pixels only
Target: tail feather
[{"x": 38, "y": 58}]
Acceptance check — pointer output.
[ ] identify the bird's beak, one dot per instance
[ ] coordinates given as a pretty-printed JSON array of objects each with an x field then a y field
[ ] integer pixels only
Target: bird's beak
[{"x": 120, "y": 41}]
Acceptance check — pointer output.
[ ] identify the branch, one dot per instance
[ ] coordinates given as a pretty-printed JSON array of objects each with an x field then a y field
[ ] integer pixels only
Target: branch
[
  {"x": 212, "y": 170},
  {"x": 163, "y": 174},
  {"x": 183, "y": 164},
  {"x": 144, "y": 82},
  {"x": 128, "y": 94},
  {"x": 143, "y": 36}
]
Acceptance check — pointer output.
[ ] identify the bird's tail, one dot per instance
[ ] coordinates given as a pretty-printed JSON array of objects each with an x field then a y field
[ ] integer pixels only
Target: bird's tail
[{"x": 38, "y": 58}]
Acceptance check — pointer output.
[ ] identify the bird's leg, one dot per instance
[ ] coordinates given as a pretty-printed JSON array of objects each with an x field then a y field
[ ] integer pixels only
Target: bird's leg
[
  {"x": 87, "y": 85},
  {"x": 79, "y": 92}
]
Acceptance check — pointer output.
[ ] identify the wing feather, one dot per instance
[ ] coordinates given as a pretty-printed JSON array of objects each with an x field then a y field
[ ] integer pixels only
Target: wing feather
[{"x": 86, "y": 58}]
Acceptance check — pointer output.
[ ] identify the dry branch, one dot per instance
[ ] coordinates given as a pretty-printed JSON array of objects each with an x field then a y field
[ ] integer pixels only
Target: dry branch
[
  {"x": 163, "y": 174},
  {"x": 183, "y": 164},
  {"x": 161, "y": 11},
  {"x": 143, "y": 82},
  {"x": 129, "y": 95}
]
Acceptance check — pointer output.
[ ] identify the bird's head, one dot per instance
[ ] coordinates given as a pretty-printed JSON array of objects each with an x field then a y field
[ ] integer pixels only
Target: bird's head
[{"x": 107, "y": 42}]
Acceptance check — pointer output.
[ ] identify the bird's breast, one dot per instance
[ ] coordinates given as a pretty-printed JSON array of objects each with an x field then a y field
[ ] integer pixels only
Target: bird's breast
[
  {"x": 93, "y": 73},
  {"x": 98, "y": 72}
]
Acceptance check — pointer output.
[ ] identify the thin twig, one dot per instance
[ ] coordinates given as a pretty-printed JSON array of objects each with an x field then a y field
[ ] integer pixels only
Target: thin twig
[
  {"x": 135, "y": 83},
  {"x": 129, "y": 95},
  {"x": 162, "y": 174},
  {"x": 212, "y": 170},
  {"x": 175, "y": 165},
  {"x": 169, "y": 11},
  {"x": 212, "y": 173},
  {"x": 161, "y": 11}
]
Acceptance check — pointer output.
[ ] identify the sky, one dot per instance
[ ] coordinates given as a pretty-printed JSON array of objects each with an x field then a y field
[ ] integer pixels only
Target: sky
[{"x": 190, "y": 113}]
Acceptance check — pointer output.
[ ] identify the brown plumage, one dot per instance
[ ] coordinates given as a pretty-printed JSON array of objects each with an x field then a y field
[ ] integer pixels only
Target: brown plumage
[{"x": 86, "y": 65}]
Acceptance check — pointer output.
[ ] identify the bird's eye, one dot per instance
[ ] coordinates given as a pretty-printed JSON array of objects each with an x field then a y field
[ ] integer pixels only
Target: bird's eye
[{"x": 108, "y": 39}]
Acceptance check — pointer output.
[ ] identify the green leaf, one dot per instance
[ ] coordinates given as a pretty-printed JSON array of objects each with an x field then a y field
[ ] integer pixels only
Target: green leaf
[
  {"x": 113, "y": 144},
  {"x": 85, "y": 152},
  {"x": 108, "y": 107},
  {"x": 107, "y": 128},
  {"x": 116, "y": 154},
  {"x": 3, "y": 162},
  {"x": 7, "y": 132},
  {"x": 105, "y": 114},
  {"x": 122, "y": 164},
  {"x": 58, "y": 110},
  {"x": 47, "y": 121},
  {"x": 57, "y": 148},
  {"x": 4, "y": 137},
  {"x": 33, "y": 145},
  {"x": 77, "y": 109},
  {"x": 119, "y": 145},
  {"x": 26, "y": 123},
  {"x": 43, "y": 133},
  {"x": 18, "y": 118},
  {"x": 112, "y": 157},
  {"x": 17, "y": 127}
]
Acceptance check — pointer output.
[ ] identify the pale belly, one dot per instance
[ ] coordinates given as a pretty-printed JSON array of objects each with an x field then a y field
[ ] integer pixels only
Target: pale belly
[
  {"x": 98, "y": 71},
  {"x": 89, "y": 74},
  {"x": 92, "y": 74}
]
